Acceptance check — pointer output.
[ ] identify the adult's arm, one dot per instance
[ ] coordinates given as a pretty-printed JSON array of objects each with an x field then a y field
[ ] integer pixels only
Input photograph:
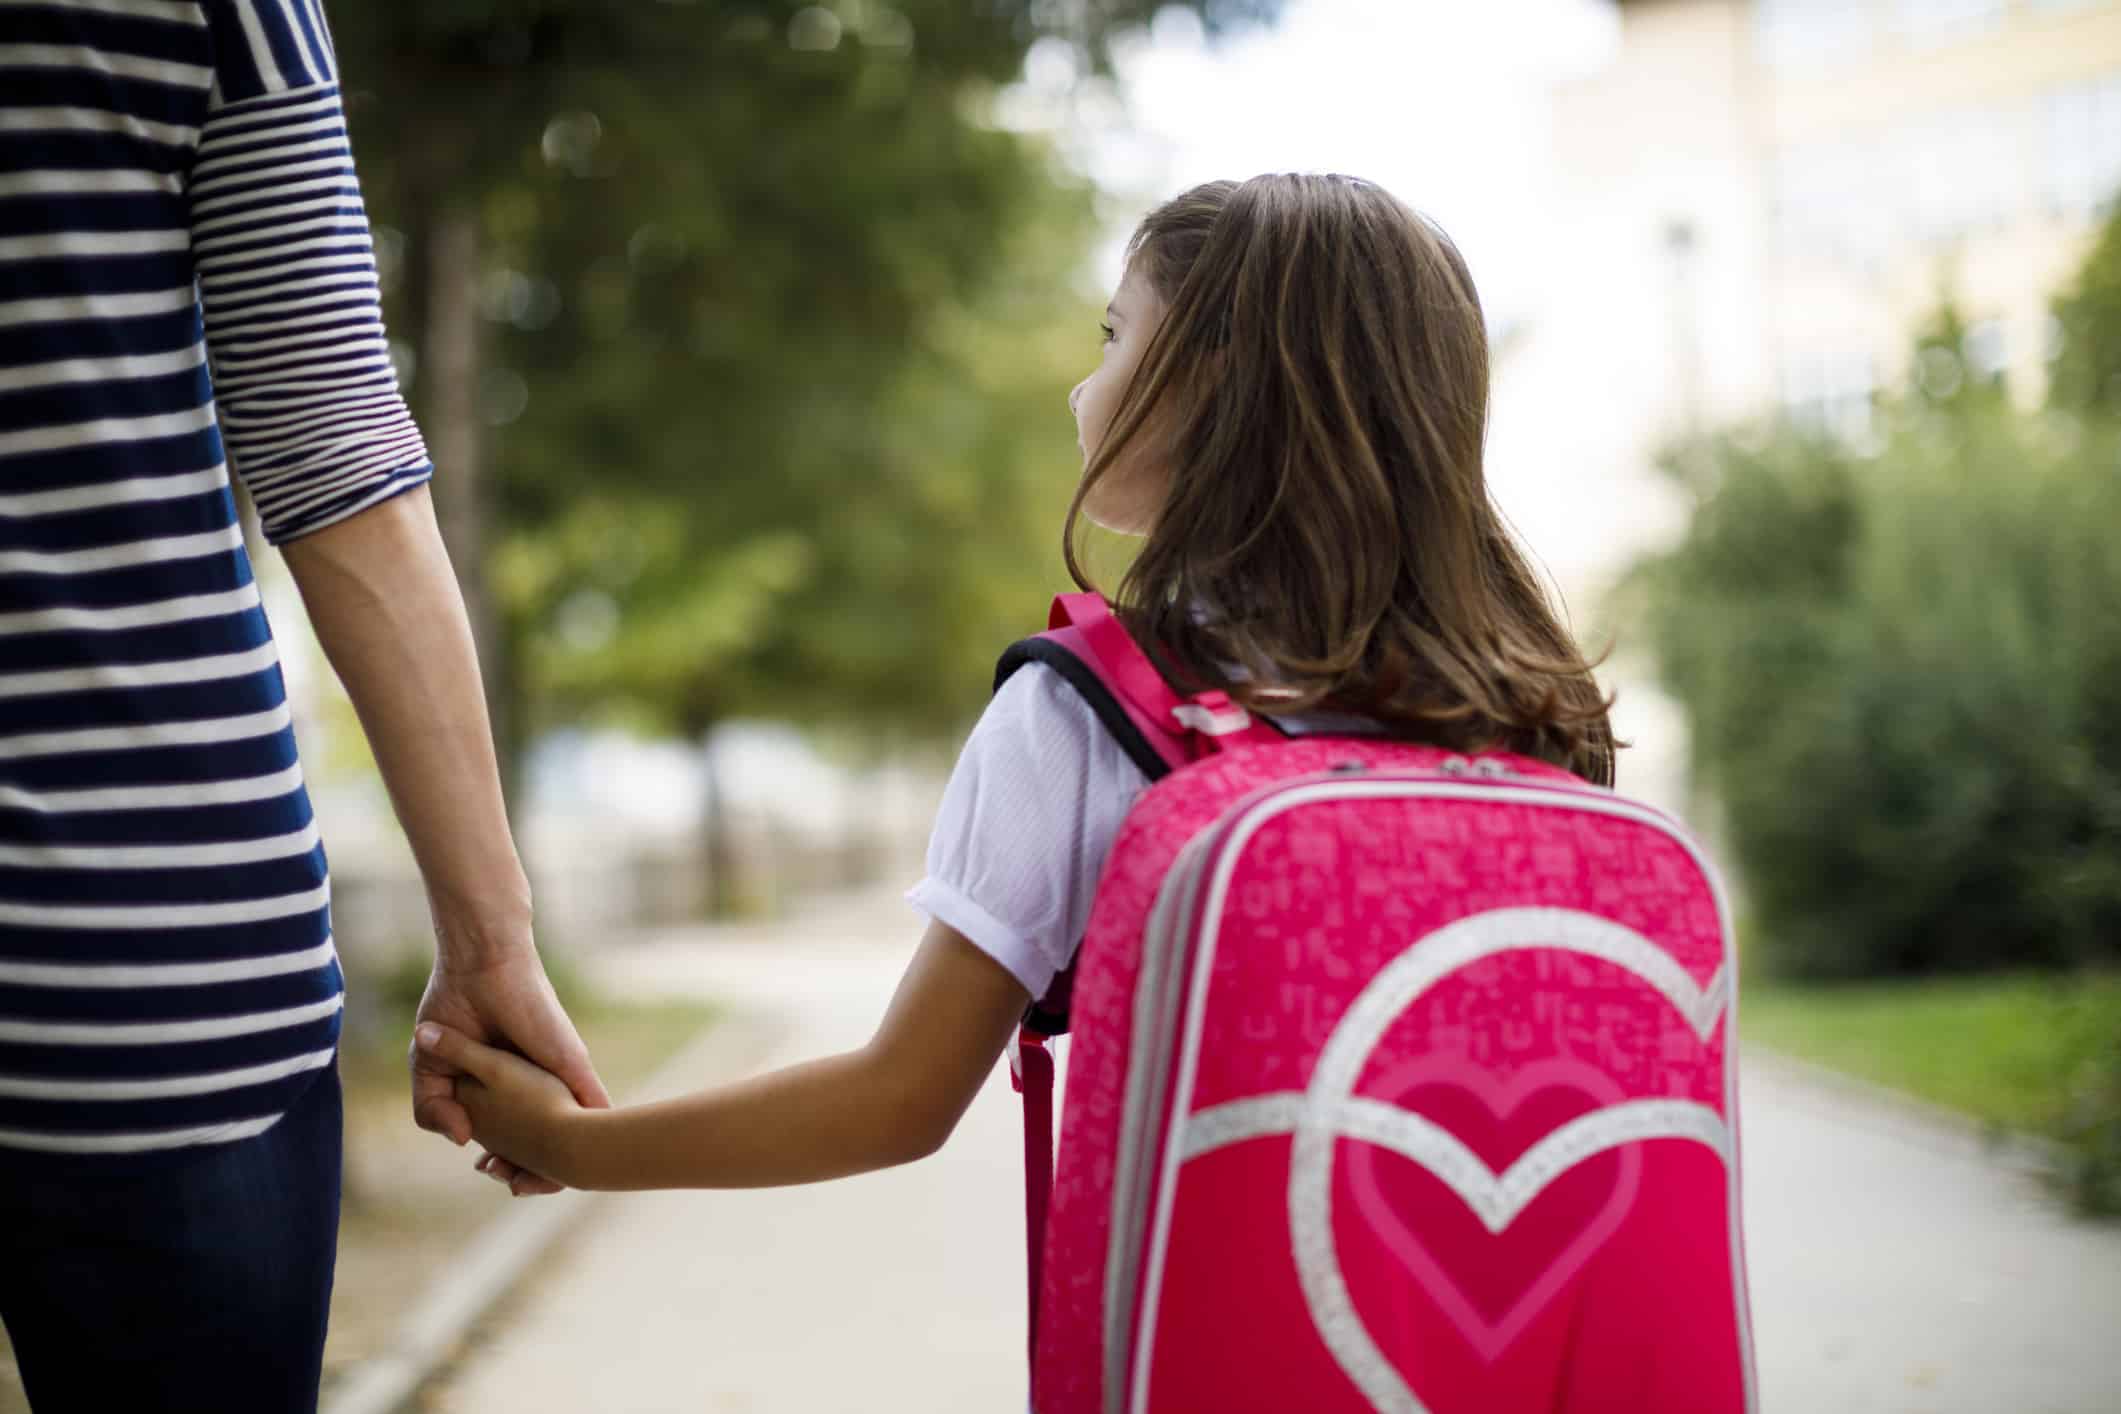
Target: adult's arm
[
  {"x": 384, "y": 603},
  {"x": 310, "y": 409}
]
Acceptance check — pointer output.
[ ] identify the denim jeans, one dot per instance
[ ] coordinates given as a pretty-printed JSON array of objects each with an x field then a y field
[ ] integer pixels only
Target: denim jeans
[{"x": 200, "y": 1285}]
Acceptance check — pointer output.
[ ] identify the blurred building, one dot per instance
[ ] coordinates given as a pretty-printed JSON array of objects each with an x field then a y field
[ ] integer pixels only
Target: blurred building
[{"x": 1758, "y": 202}]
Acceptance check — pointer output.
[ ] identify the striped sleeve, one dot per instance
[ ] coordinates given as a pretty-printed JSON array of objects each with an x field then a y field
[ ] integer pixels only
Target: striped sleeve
[{"x": 308, "y": 401}]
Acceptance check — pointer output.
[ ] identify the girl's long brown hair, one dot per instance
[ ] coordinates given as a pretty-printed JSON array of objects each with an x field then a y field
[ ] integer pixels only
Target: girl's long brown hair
[{"x": 1327, "y": 541}]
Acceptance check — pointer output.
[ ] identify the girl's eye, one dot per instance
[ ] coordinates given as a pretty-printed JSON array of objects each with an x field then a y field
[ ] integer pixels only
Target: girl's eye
[{"x": 1106, "y": 329}]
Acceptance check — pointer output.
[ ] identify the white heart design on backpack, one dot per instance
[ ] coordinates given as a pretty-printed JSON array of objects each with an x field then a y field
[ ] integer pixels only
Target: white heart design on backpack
[
  {"x": 1486, "y": 1328},
  {"x": 1330, "y": 1110}
]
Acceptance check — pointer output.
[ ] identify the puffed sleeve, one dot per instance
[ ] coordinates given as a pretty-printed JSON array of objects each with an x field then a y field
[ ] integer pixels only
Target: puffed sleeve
[
  {"x": 308, "y": 401},
  {"x": 1026, "y": 823}
]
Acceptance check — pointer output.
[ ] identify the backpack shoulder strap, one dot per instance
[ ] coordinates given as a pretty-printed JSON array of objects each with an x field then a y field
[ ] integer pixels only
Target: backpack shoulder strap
[
  {"x": 1155, "y": 751},
  {"x": 1159, "y": 730}
]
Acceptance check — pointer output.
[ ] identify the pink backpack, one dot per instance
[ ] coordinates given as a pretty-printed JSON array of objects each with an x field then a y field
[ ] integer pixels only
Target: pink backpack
[{"x": 1399, "y": 1080}]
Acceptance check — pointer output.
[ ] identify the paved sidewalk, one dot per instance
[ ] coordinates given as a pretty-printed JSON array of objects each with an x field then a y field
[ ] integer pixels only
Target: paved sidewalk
[
  {"x": 1895, "y": 1268},
  {"x": 896, "y": 1291}
]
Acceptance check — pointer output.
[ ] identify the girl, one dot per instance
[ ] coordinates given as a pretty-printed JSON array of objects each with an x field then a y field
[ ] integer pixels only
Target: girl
[{"x": 1290, "y": 412}]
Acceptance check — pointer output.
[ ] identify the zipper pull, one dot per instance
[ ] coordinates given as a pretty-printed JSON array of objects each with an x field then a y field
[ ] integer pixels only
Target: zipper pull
[{"x": 1489, "y": 767}]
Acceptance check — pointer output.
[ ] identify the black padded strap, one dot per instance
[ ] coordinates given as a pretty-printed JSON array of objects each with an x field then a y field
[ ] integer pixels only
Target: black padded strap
[
  {"x": 1092, "y": 690},
  {"x": 1048, "y": 1015}
]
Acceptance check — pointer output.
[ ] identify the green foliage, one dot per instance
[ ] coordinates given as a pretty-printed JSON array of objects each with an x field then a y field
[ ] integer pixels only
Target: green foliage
[
  {"x": 849, "y": 544},
  {"x": 1902, "y": 672},
  {"x": 2085, "y": 377},
  {"x": 1944, "y": 374},
  {"x": 1902, "y": 668},
  {"x": 780, "y": 333},
  {"x": 2091, "y": 1124}
]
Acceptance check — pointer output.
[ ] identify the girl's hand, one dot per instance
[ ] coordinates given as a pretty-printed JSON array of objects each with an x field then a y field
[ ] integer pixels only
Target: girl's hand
[{"x": 518, "y": 1111}]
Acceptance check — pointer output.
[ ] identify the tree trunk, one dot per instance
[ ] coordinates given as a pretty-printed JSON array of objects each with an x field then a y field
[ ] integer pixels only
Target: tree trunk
[{"x": 715, "y": 858}]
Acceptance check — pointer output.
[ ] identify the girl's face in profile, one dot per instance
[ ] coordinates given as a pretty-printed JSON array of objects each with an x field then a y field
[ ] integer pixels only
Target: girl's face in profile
[{"x": 1128, "y": 496}]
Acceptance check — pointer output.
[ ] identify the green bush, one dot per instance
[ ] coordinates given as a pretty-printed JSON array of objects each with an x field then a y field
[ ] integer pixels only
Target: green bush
[
  {"x": 2091, "y": 1125},
  {"x": 1902, "y": 668}
]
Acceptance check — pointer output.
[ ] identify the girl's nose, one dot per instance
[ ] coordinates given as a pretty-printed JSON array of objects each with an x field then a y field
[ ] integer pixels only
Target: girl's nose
[{"x": 1075, "y": 398}]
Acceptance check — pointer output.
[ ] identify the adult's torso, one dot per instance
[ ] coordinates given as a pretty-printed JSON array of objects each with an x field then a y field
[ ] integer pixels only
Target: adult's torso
[{"x": 166, "y": 970}]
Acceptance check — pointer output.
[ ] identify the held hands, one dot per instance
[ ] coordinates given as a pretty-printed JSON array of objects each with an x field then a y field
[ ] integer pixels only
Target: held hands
[
  {"x": 511, "y": 1106},
  {"x": 889, "y": 1102},
  {"x": 506, "y": 1000}
]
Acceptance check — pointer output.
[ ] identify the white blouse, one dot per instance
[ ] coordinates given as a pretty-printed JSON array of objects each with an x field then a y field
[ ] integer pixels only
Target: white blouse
[{"x": 1026, "y": 823}]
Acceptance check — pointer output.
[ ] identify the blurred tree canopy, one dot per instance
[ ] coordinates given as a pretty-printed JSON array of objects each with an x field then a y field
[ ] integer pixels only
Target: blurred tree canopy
[
  {"x": 1902, "y": 668},
  {"x": 741, "y": 337},
  {"x": 2085, "y": 376}
]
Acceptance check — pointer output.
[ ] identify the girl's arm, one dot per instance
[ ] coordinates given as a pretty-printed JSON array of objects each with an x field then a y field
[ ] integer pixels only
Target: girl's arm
[{"x": 893, "y": 1101}]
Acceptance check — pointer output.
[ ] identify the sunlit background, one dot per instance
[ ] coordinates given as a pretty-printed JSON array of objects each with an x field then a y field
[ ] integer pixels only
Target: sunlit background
[{"x": 741, "y": 331}]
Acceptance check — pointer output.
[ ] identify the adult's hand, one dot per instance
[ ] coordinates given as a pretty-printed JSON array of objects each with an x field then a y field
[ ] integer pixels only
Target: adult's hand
[{"x": 508, "y": 1002}]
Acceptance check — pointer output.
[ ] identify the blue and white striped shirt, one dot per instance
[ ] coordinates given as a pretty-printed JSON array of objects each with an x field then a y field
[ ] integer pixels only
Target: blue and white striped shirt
[{"x": 186, "y": 285}]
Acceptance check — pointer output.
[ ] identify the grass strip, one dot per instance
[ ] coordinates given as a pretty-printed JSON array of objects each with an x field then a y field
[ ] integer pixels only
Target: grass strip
[{"x": 2007, "y": 1050}]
